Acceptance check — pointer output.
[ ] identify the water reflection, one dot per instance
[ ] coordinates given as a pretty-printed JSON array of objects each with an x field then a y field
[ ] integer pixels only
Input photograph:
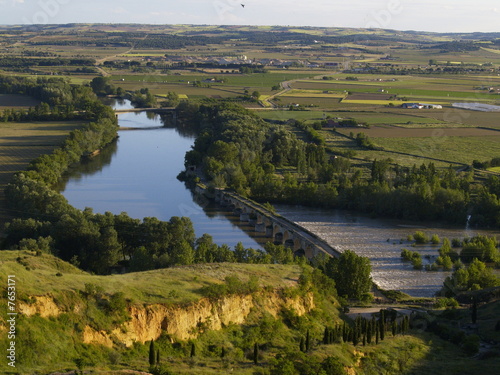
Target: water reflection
[
  {"x": 117, "y": 103},
  {"x": 137, "y": 174}
]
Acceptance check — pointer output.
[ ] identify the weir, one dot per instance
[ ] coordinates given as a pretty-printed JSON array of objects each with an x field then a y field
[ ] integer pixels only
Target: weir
[{"x": 277, "y": 228}]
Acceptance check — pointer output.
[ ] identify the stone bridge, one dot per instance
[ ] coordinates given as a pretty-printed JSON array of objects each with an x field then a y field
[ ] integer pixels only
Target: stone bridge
[{"x": 277, "y": 228}]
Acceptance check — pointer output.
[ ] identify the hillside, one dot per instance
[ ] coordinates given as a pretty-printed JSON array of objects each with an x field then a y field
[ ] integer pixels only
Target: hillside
[
  {"x": 92, "y": 316},
  {"x": 47, "y": 274},
  {"x": 218, "y": 318}
]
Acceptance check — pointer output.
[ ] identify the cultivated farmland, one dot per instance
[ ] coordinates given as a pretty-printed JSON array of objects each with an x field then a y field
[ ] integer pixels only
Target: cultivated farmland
[{"x": 20, "y": 143}]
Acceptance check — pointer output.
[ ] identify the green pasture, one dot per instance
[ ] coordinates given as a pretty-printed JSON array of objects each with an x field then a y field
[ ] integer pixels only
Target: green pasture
[
  {"x": 431, "y": 82},
  {"x": 402, "y": 120},
  {"x": 408, "y": 151},
  {"x": 450, "y": 149},
  {"x": 494, "y": 169},
  {"x": 259, "y": 80},
  {"x": 22, "y": 142},
  {"x": 283, "y": 115},
  {"x": 447, "y": 93}
]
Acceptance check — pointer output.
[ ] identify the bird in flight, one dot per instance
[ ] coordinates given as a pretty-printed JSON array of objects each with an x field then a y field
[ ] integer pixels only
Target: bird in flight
[{"x": 242, "y": 5}]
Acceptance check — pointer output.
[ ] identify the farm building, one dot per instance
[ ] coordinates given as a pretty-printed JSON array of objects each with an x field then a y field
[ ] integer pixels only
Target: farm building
[{"x": 412, "y": 105}]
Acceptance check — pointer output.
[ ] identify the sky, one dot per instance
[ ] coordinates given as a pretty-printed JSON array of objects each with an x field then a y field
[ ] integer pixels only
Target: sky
[{"x": 420, "y": 15}]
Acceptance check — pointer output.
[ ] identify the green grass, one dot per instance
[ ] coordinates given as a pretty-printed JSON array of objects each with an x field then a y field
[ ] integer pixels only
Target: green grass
[
  {"x": 283, "y": 115},
  {"x": 450, "y": 149},
  {"x": 494, "y": 169},
  {"x": 409, "y": 151},
  {"x": 170, "y": 285}
]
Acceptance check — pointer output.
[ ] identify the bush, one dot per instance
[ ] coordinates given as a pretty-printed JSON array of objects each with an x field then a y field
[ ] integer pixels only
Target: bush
[
  {"x": 420, "y": 237},
  {"x": 435, "y": 239},
  {"x": 443, "y": 303}
]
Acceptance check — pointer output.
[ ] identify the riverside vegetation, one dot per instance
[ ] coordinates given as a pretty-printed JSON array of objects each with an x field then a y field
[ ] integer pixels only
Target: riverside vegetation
[
  {"x": 235, "y": 149},
  {"x": 96, "y": 242}
]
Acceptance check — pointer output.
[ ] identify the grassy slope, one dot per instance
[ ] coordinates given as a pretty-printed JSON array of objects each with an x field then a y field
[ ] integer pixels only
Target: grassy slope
[
  {"x": 142, "y": 287},
  {"x": 416, "y": 353},
  {"x": 37, "y": 275}
]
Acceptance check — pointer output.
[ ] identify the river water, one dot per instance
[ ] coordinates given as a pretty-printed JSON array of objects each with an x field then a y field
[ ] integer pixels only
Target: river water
[
  {"x": 381, "y": 240},
  {"x": 137, "y": 174}
]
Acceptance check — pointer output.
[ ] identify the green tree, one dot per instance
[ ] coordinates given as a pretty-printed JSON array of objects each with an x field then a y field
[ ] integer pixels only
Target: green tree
[
  {"x": 256, "y": 353},
  {"x": 332, "y": 366},
  {"x": 152, "y": 354},
  {"x": 101, "y": 86},
  {"x": 351, "y": 273}
]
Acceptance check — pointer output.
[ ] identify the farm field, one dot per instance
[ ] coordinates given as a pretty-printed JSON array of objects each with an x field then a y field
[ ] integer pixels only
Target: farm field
[
  {"x": 397, "y": 132},
  {"x": 442, "y": 149},
  {"x": 20, "y": 143},
  {"x": 17, "y": 101}
]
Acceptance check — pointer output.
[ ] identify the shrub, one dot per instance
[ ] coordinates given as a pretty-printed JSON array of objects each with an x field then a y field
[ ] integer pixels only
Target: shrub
[
  {"x": 420, "y": 237},
  {"x": 435, "y": 239}
]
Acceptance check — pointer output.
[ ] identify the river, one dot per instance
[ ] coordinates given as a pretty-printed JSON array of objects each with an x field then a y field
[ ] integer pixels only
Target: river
[
  {"x": 381, "y": 240},
  {"x": 137, "y": 174}
]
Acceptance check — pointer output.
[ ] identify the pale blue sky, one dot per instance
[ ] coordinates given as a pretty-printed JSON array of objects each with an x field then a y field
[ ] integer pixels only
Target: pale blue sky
[{"x": 424, "y": 15}]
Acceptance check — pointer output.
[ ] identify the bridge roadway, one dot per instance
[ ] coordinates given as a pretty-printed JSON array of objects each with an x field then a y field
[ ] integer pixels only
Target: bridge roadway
[{"x": 278, "y": 228}]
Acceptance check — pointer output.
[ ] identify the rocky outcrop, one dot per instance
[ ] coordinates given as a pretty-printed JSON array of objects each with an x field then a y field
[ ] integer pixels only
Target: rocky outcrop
[
  {"x": 185, "y": 322},
  {"x": 148, "y": 322},
  {"x": 41, "y": 305}
]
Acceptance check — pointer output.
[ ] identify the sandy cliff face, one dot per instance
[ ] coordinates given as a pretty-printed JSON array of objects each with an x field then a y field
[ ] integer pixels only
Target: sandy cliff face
[
  {"x": 42, "y": 305},
  {"x": 147, "y": 322}
]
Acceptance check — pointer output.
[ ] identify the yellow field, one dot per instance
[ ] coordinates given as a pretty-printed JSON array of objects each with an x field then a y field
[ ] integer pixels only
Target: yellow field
[
  {"x": 181, "y": 96},
  {"x": 494, "y": 169}
]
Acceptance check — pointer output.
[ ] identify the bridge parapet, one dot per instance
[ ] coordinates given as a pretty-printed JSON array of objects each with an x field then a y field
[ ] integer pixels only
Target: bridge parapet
[{"x": 277, "y": 227}]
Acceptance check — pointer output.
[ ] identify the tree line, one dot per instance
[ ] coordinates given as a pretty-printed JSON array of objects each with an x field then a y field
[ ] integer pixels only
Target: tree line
[
  {"x": 98, "y": 242},
  {"x": 236, "y": 149}
]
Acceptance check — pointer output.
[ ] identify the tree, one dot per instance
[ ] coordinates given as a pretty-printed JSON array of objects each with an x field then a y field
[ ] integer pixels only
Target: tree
[
  {"x": 255, "y": 353},
  {"x": 172, "y": 99},
  {"x": 101, "y": 86},
  {"x": 152, "y": 354},
  {"x": 351, "y": 274},
  {"x": 332, "y": 366}
]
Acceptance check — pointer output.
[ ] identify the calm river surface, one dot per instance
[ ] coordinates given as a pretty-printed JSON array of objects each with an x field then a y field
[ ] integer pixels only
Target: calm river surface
[{"x": 137, "y": 174}]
